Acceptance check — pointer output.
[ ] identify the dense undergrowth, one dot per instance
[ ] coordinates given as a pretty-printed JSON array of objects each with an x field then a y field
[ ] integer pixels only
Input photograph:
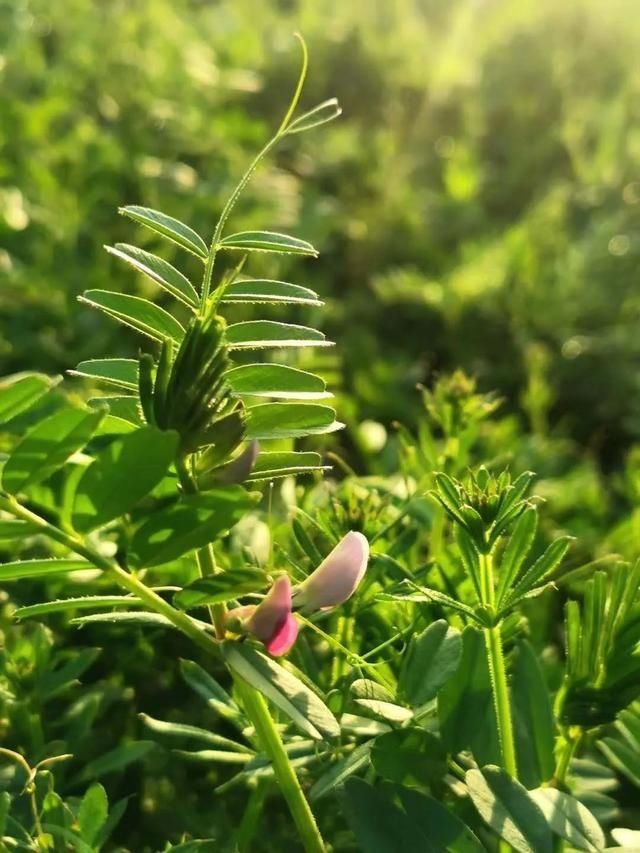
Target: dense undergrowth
[{"x": 476, "y": 211}]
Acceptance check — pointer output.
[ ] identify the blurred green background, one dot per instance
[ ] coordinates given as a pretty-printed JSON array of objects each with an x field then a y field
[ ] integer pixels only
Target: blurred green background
[{"x": 478, "y": 205}]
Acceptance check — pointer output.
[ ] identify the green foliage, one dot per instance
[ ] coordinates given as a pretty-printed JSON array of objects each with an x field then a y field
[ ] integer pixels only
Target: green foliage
[{"x": 466, "y": 218}]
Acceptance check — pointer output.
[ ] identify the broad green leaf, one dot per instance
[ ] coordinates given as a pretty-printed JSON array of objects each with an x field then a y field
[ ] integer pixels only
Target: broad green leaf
[
  {"x": 15, "y": 529},
  {"x": 265, "y": 334},
  {"x": 380, "y": 826},
  {"x": 93, "y": 813},
  {"x": 569, "y": 819},
  {"x": 431, "y": 659},
  {"x": 270, "y": 465},
  {"x": 20, "y": 392},
  {"x": 116, "y": 759},
  {"x": 123, "y": 408},
  {"x": 366, "y": 688},
  {"x": 107, "y": 488},
  {"x": 266, "y": 290},
  {"x": 40, "y": 568},
  {"x": 341, "y": 771},
  {"x": 290, "y": 420},
  {"x": 174, "y": 230},
  {"x": 140, "y": 314},
  {"x": 121, "y": 372},
  {"x": 192, "y": 522},
  {"x": 519, "y": 545},
  {"x": 158, "y": 270},
  {"x": 277, "y": 381},
  {"x": 411, "y": 755},
  {"x": 192, "y": 733},
  {"x": 208, "y": 688},
  {"x": 303, "y": 707},
  {"x": 506, "y": 806},
  {"x": 441, "y": 826},
  {"x": 47, "y": 446},
  {"x": 323, "y": 113},
  {"x": 220, "y": 588},
  {"x": 465, "y": 703},
  {"x": 86, "y": 602},
  {"x": 533, "y": 719},
  {"x": 267, "y": 241}
]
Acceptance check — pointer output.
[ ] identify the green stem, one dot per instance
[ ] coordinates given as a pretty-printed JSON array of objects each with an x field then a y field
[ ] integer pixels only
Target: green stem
[
  {"x": 124, "y": 578},
  {"x": 498, "y": 671},
  {"x": 270, "y": 740},
  {"x": 569, "y": 747}
]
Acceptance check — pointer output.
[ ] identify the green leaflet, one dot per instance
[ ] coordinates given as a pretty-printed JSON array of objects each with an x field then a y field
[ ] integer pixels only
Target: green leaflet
[
  {"x": 172, "y": 229},
  {"x": 20, "y": 392},
  {"x": 139, "y": 314},
  {"x": 121, "y": 372},
  {"x": 267, "y": 241},
  {"x": 290, "y": 420},
  {"x": 267, "y": 290},
  {"x": 265, "y": 334},
  {"x": 277, "y": 381},
  {"x": 40, "y": 568},
  {"x": 47, "y": 446},
  {"x": 107, "y": 490},
  {"x": 303, "y": 707},
  {"x": 192, "y": 522},
  {"x": 158, "y": 270}
]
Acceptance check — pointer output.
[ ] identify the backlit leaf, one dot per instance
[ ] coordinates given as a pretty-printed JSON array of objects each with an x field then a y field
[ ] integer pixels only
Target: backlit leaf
[
  {"x": 276, "y": 380},
  {"x": 121, "y": 372},
  {"x": 267, "y": 241},
  {"x": 107, "y": 488},
  {"x": 168, "y": 227},
  {"x": 265, "y": 334},
  {"x": 47, "y": 446},
  {"x": 18, "y": 393},
  {"x": 158, "y": 270},
  {"x": 139, "y": 314},
  {"x": 290, "y": 420},
  {"x": 268, "y": 290},
  {"x": 193, "y": 522}
]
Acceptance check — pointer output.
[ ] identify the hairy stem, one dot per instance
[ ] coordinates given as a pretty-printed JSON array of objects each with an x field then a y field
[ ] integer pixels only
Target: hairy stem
[
  {"x": 270, "y": 740},
  {"x": 124, "y": 578},
  {"x": 498, "y": 672}
]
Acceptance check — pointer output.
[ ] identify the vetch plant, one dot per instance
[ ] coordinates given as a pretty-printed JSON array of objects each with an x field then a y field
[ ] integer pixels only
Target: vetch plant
[{"x": 157, "y": 465}]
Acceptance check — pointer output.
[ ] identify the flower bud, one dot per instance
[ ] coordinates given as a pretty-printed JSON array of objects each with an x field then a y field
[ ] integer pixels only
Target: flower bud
[
  {"x": 272, "y": 621},
  {"x": 337, "y": 577}
]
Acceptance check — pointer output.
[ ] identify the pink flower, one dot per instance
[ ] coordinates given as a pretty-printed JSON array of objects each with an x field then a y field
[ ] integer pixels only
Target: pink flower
[
  {"x": 337, "y": 577},
  {"x": 272, "y": 621}
]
